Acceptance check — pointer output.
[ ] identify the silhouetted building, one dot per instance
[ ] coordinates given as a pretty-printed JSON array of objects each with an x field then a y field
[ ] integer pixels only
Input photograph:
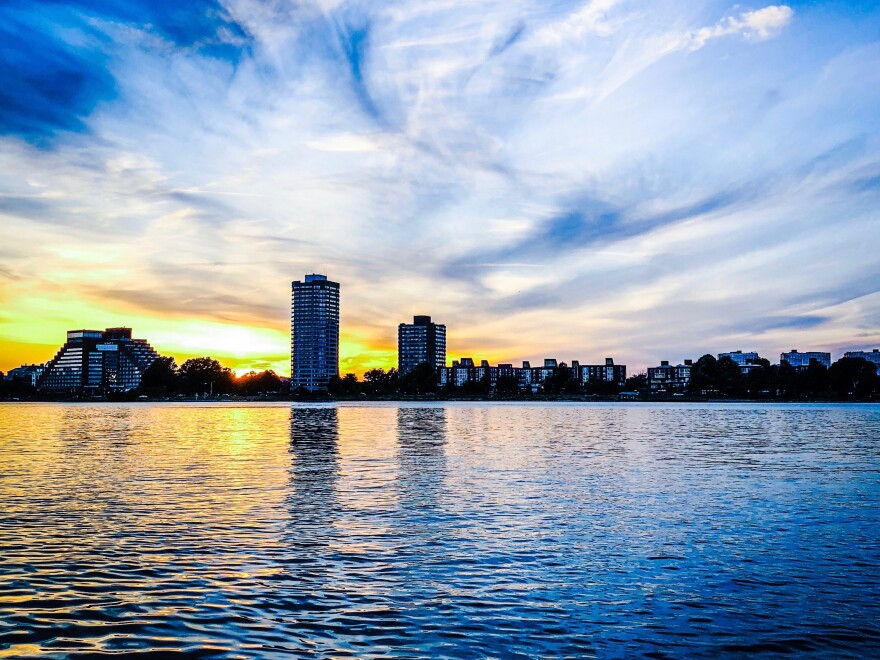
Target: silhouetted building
[
  {"x": 26, "y": 373},
  {"x": 95, "y": 361},
  {"x": 802, "y": 360},
  {"x": 314, "y": 334},
  {"x": 420, "y": 342},
  {"x": 870, "y": 356}
]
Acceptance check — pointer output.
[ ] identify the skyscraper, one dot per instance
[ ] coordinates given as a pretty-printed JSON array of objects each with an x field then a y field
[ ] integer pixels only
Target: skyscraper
[
  {"x": 314, "y": 334},
  {"x": 421, "y": 341}
]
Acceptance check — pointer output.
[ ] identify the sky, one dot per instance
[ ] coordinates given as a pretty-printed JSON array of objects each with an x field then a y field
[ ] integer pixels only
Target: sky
[{"x": 578, "y": 180}]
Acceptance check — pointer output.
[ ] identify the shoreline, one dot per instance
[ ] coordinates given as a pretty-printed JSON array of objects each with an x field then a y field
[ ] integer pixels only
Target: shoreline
[{"x": 539, "y": 398}]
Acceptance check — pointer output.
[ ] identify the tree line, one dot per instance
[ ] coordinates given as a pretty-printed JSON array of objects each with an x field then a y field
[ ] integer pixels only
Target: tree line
[
  {"x": 847, "y": 378},
  {"x": 205, "y": 376}
]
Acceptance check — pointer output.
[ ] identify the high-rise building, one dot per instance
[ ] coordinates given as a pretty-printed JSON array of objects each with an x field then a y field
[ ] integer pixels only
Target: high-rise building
[
  {"x": 419, "y": 342},
  {"x": 98, "y": 361},
  {"x": 314, "y": 332}
]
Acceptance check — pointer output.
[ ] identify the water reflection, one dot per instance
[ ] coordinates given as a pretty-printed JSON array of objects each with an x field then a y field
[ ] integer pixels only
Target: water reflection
[
  {"x": 421, "y": 444},
  {"x": 314, "y": 472},
  {"x": 439, "y": 531}
]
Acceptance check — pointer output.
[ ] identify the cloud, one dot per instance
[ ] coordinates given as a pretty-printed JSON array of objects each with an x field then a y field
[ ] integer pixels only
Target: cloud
[{"x": 759, "y": 24}]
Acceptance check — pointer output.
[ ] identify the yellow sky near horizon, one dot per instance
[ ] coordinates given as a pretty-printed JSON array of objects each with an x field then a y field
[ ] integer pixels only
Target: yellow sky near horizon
[{"x": 33, "y": 328}]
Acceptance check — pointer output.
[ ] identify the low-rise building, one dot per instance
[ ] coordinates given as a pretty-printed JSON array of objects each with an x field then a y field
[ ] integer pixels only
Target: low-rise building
[
  {"x": 26, "y": 373},
  {"x": 669, "y": 378},
  {"x": 602, "y": 373},
  {"x": 741, "y": 358},
  {"x": 803, "y": 360}
]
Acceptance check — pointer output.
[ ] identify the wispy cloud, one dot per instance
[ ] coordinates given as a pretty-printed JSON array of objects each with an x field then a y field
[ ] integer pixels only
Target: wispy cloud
[{"x": 574, "y": 177}]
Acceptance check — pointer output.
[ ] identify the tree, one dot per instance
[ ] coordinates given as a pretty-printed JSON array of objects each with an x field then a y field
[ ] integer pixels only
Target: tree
[
  {"x": 759, "y": 378},
  {"x": 254, "y": 383},
  {"x": 205, "y": 375},
  {"x": 636, "y": 383},
  {"x": 420, "y": 380},
  {"x": 561, "y": 380},
  {"x": 853, "y": 377},
  {"x": 348, "y": 385},
  {"x": 730, "y": 378},
  {"x": 477, "y": 387},
  {"x": 786, "y": 381},
  {"x": 507, "y": 385},
  {"x": 379, "y": 381},
  {"x": 814, "y": 379},
  {"x": 704, "y": 375},
  {"x": 160, "y": 378}
]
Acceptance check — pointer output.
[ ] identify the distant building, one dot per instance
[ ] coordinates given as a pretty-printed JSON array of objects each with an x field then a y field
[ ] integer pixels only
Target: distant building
[
  {"x": 802, "y": 360},
  {"x": 97, "y": 362},
  {"x": 745, "y": 361},
  {"x": 27, "y": 373},
  {"x": 314, "y": 334},
  {"x": 741, "y": 358},
  {"x": 668, "y": 378},
  {"x": 420, "y": 342},
  {"x": 870, "y": 356}
]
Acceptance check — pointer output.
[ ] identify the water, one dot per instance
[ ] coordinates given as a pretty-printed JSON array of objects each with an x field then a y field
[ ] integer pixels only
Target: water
[{"x": 460, "y": 530}]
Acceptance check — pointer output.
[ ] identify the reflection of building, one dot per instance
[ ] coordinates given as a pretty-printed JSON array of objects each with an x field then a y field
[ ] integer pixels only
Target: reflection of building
[
  {"x": 870, "y": 356},
  {"x": 26, "y": 373},
  {"x": 420, "y": 342},
  {"x": 98, "y": 361},
  {"x": 314, "y": 340},
  {"x": 668, "y": 378},
  {"x": 799, "y": 360},
  {"x": 314, "y": 471},
  {"x": 421, "y": 445}
]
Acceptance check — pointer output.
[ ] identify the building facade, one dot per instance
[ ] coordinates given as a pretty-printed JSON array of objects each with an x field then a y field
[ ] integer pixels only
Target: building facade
[
  {"x": 608, "y": 373},
  {"x": 98, "y": 362},
  {"x": 420, "y": 342},
  {"x": 669, "y": 378},
  {"x": 314, "y": 333},
  {"x": 802, "y": 360}
]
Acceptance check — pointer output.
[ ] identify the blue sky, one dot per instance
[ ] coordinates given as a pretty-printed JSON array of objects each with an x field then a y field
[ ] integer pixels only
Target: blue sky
[{"x": 571, "y": 179}]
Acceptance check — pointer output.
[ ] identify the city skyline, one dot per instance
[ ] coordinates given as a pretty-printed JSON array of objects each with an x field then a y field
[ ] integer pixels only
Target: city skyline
[{"x": 575, "y": 179}]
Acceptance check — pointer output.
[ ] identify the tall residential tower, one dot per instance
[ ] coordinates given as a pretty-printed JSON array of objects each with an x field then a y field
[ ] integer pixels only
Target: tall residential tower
[
  {"x": 314, "y": 334},
  {"x": 421, "y": 341}
]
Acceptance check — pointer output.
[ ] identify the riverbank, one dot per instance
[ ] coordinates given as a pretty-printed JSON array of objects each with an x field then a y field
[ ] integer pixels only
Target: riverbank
[{"x": 438, "y": 398}]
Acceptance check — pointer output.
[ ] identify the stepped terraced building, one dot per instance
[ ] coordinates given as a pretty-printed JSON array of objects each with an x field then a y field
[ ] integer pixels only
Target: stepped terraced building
[{"x": 98, "y": 361}]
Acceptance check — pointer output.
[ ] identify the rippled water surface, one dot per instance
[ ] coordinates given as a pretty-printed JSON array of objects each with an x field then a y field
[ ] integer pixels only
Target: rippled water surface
[{"x": 463, "y": 530}]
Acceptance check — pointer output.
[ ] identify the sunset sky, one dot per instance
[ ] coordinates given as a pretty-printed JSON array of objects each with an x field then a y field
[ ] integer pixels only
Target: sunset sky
[{"x": 644, "y": 180}]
